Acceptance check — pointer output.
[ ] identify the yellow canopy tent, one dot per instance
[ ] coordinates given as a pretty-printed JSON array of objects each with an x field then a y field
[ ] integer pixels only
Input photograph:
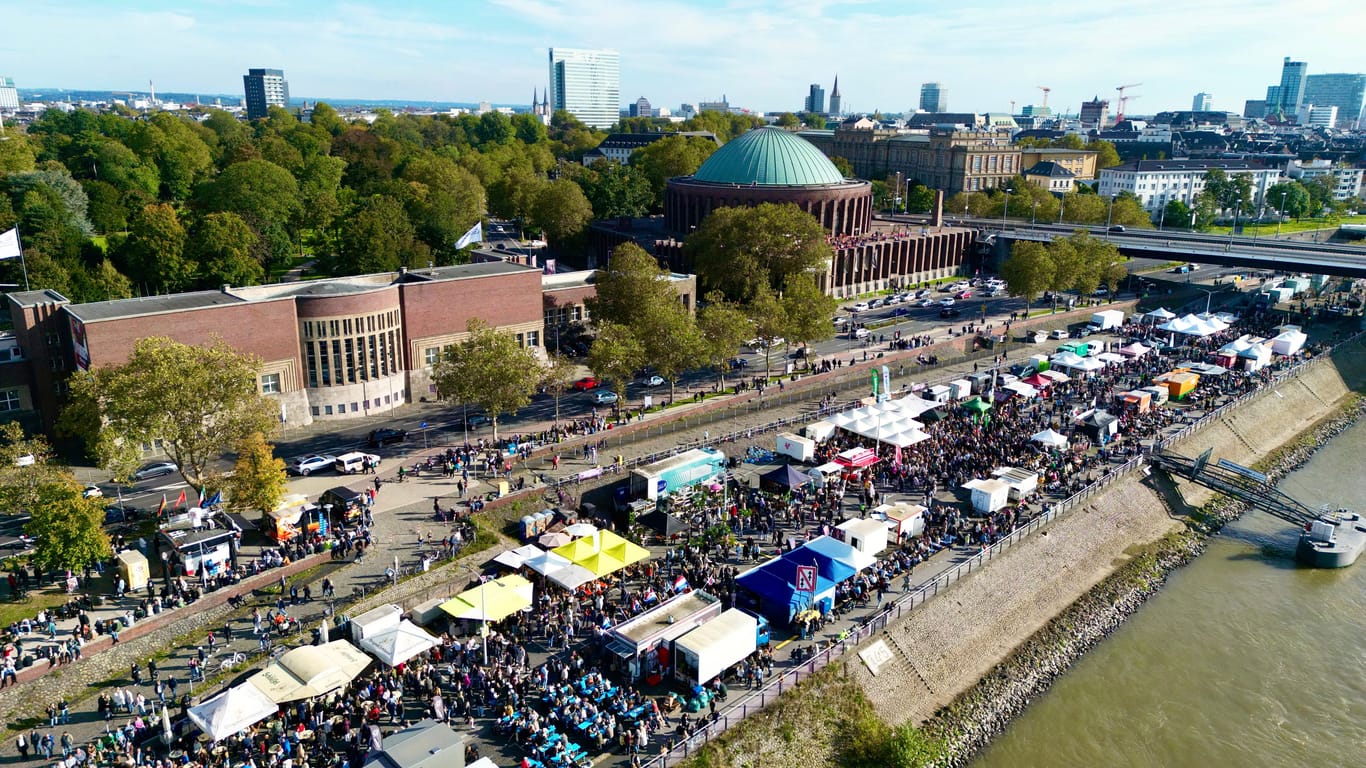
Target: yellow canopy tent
[
  {"x": 578, "y": 549},
  {"x": 601, "y": 564},
  {"x": 627, "y": 552},
  {"x": 491, "y": 601}
]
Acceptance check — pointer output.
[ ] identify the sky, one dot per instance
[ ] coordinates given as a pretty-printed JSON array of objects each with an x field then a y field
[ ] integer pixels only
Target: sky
[{"x": 761, "y": 54}]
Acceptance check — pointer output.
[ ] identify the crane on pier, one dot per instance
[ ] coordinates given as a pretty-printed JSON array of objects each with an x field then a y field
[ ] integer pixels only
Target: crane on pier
[{"x": 1124, "y": 100}]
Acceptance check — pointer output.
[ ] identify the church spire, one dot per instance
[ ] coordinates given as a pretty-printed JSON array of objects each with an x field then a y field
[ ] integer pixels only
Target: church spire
[{"x": 836, "y": 90}]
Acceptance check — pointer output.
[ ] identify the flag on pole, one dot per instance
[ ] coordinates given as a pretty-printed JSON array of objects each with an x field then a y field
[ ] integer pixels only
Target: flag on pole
[
  {"x": 9, "y": 244},
  {"x": 214, "y": 500},
  {"x": 180, "y": 502},
  {"x": 201, "y": 495},
  {"x": 680, "y": 584},
  {"x": 161, "y": 509},
  {"x": 475, "y": 235}
]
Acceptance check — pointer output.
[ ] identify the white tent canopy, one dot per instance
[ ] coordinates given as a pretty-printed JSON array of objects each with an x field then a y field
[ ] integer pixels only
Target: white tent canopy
[
  {"x": 232, "y": 711},
  {"x": 546, "y": 562},
  {"x": 1194, "y": 325},
  {"x": 1050, "y": 438},
  {"x": 309, "y": 671},
  {"x": 396, "y": 645},
  {"x": 889, "y": 422},
  {"x": 1161, "y": 313},
  {"x": 516, "y": 558},
  {"x": 571, "y": 576}
]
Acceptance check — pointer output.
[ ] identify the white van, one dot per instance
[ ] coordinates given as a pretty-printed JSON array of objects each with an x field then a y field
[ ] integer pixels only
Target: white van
[{"x": 352, "y": 463}]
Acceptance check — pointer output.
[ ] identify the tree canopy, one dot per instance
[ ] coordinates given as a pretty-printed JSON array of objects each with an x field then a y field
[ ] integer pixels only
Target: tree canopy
[
  {"x": 195, "y": 402},
  {"x": 740, "y": 251},
  {"x": 488, "y": 369}
]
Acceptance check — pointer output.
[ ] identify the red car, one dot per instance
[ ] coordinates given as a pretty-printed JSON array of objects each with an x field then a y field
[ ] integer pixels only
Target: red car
[
  {"x": 586, "y": 383},
  {"x": 964, "y": 294}
]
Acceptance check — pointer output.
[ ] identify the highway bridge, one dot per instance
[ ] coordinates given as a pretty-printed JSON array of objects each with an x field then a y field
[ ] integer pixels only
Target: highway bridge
[{"x": 1255, "y": 253}]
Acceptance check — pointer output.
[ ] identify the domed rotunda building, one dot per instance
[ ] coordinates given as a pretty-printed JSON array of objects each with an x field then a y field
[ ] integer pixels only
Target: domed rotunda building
[{"x": 770, "y": 165}]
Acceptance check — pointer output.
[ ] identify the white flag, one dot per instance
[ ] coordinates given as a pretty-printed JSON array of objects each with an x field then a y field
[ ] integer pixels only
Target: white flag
[
  {"x": 9, "y": 244},
  {"x": 475, "y": 235}
]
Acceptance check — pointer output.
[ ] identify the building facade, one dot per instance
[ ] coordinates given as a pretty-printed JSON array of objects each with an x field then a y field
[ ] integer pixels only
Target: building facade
[
  {"x": 265, "y": 88},
  {"x": 1290, "y": 93},
  {"x": 1051, "y": 176},
  {"x": 9, "y": 95},
  {"x": 1095, "y": 113},
  {"x": 1157, "y": 182},
  {"x": 934, "y": 97},
  {"x": 329, "y": 349},
  {"x": 587, "y": 85},
  {"x": 619, "y": 146},
  {"x": 641, "y": 108},
  {"x": 815, "y": 100},
  {"x": 1341, "y": 90},
  {"x": 1202, "y": 102},
  {"x": 945, "y": 158},
  {"x": 1346, "y": 180}
]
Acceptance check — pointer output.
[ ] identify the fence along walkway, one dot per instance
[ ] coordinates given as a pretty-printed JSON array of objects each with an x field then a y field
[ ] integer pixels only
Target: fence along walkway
[{"x": 755, "y": 700}]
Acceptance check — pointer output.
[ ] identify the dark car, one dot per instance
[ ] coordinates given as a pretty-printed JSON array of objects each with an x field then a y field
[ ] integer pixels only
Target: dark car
[
  {"x": 386, "y": 435},
  {"x": 950, "y": 312},
  {"x": 475, "y": 421}
]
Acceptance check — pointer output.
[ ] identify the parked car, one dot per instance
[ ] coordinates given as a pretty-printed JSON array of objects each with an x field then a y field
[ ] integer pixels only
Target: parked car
[
  {"x": 950, "y": 312},
  {"x": 861, "y": 306},
  {"x": 964, "y": 294},
  {"x": 1058, "y": 333},
  {"x": 154, "y": 469},
  {"x": 475, "y": 421},
  {"x": 355, "y": 462},
  {"x": 585, "y": 384},
  {"x": 841, "y": 320},
  {"x": 386, "y": 435},
  {"x": 859, "y": 333},
  {"x": 652, "y": 381},
  {"x": 115, "y": 513},
  {"x": 92, "y": 492},
  {"x": 946, "y": 301},
  {"x": 925, "y": 303},
  {"x": 604, "y": 397},
  {"x": 314, "y": 462}
]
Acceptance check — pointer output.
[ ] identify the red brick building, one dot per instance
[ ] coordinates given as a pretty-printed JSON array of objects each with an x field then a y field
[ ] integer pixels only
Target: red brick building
[{"x": 330, "y": 349}]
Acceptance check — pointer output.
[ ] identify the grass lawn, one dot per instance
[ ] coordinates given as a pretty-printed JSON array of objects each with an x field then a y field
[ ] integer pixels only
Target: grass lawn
[
  {"x": 12, "y": 610},
  {"x": 1306, "y": 225}
]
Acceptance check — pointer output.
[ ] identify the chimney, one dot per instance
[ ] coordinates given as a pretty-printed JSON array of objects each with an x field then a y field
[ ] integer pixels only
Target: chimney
[{"x": 402, "y": 271}]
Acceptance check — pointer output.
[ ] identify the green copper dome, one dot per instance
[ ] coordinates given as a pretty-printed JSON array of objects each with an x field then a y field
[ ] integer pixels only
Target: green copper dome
[{"x": 769, "y": 157}]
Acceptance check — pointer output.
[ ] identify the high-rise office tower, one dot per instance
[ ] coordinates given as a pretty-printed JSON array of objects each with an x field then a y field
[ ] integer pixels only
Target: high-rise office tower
[
  {"x": 586, "y": 84},
  {"x": 835, "y": 105},
  {"x": 1201, "y": 102},
  {"x": 1341, "y": 90},
  {"x": 934, "y": 97},
  {"x": 9, "y": 95},
  {"x": 265, "y": 88},
  {"x": 815, "y": 100},
  {"x": 1095, "y": 112},
  {"x": 1293, "y": 74}
]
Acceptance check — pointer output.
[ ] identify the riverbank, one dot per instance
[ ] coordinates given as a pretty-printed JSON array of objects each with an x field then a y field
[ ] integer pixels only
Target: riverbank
[{"x": 969, "y": 724}]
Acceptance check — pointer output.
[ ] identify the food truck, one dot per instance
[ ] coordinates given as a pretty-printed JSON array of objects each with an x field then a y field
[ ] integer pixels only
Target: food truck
[
  {"x": 294, "y": 516},
  {"x": 667, "y": 475}
]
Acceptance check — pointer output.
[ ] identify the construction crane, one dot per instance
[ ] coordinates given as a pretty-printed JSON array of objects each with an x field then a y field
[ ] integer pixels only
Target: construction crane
[
  {"x": 1124, "y": 100},
  {"x": 1046, "y": 90}
]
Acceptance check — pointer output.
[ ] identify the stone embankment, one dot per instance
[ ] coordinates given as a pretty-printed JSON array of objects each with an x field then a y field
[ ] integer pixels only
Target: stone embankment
[{"x": 977, "y": 716}]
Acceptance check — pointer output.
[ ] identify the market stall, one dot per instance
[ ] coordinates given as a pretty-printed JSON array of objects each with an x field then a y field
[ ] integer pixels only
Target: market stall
[
  {"x": 232, "y": 711},
  {"x": 1020, "y": 482},
  {"x": 374, "y": 621},
  {"x": 310, "y": 671},
  {"x": 903, "y": 521},
  {"x": 640, "y": 647},
  {"x": 708, "y": 651},
  {"x": 988, "y": 495},
  {"x": 865, "y": 535}
]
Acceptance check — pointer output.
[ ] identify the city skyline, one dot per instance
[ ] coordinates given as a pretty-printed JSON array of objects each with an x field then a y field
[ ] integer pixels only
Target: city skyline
[{"x": 674, "y": 52}]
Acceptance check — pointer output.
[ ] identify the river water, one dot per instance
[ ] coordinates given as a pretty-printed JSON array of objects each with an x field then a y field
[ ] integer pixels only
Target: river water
[{"x": 1243, "y": 659}]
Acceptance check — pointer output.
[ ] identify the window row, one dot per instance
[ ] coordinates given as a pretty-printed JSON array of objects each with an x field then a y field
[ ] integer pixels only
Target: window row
[
  {"x": 351, "y": 360},
  {"x": 351, "y": 326},
  {"x": 338, "y": 410}
]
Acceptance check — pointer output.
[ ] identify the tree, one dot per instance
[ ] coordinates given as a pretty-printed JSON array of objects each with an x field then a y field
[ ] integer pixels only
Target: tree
[
  {"x": 154, "y": 253},
  {"x": 722, "y": 327},
  {"x": 843, "y": 165},
  {"x": 768, "y": 315},
  {"x": 1028, "y": 271},
  {"x": 443, "y": 200},
  {"x": 16, "y": 152},
  {"x": 488, "y": 369},
  {"x": 26, "y": 466},
  {"x": 556, "y": 377},
  {"x": 1106, "y": 154},
  {"x": 258, "y": 478},
  {"x": 740, "y": 251},
  {"x": 616, "y": 354},
  {"x": 1067, "y": 267},
  {"x": 68, "y": 528},
  {"x": 613, "y": 189},
  {"x": 806, "y": 310},
  {"x": 1176, "y": 214},
  {"x": 378, "y": 238},
  {"x": 561, "y": 211},
  {"x": 788, "y": 120},
  {"x": 1289, "y": 198},
  {"x": 813, "y": 120},
  {"x": 919, "y": 199},
  {"x": 197, "y": 401},
  {"x": 257, "y": 190},
  {"x": 669, "y": 157},
  {"x": 223, "y": 246}
]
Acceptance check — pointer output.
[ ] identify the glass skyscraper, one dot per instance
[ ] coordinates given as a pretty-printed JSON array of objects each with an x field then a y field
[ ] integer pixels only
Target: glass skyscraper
[
  {"x": 1344, "y": 91},
  {"x": 587, "y": 85},
  {"x": 1292, "y": 85}
]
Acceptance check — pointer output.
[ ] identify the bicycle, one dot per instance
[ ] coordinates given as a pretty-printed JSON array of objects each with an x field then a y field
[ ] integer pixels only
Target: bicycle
[{"x": 232, "y": 662}]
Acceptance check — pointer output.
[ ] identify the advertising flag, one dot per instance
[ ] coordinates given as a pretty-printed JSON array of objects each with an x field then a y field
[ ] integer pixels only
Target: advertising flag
[
  {"x": 9, "y": 244},
  {"x": 475, "y": 235}
]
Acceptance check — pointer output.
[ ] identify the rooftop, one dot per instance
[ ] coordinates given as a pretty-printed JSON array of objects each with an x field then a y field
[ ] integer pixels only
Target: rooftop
[
  {"x": 1050, "y": 169},
  {"x": 666, "y": 614},
  {"x": 769, "y": 157},
  {"x": 336, "y": 286},
  {"x": 1185, "y": 165}
]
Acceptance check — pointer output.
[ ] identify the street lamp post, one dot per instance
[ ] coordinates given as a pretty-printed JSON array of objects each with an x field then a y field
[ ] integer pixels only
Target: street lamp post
[
  {"x": 327, "y": 512},
  {"x": 1280, "y": 215},
  {"x": 1005, "y": 209},
  {"x": 1034, "y": 217},
  {"x": 1237, "y": 209}
]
